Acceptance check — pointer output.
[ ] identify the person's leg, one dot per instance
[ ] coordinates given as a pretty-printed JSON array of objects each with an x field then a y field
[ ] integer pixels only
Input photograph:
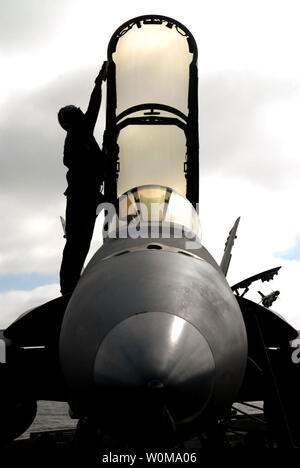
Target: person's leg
[{"x": 80, "y": 221}]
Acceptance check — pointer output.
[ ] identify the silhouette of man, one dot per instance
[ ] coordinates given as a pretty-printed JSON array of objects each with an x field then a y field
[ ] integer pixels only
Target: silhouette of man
[{"x": 87, "y": 167}]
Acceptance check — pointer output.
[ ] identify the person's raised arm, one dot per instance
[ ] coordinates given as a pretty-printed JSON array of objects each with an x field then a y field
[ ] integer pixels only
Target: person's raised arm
[{"x": 92, "y": 112}]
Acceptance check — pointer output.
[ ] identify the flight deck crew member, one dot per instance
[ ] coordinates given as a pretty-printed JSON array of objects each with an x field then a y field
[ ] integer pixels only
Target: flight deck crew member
[{"x": 87, "y": 167}]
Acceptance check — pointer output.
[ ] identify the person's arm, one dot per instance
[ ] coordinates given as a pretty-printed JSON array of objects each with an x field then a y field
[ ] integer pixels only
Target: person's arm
[{"x": 92, "y": 112}]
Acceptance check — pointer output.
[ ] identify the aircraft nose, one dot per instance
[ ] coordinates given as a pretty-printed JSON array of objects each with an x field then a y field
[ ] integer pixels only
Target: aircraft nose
[{"x": 151, "y": 357}]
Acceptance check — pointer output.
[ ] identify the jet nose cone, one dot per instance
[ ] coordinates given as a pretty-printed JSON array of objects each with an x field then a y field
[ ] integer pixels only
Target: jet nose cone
[{"x": 151, "y": 357}]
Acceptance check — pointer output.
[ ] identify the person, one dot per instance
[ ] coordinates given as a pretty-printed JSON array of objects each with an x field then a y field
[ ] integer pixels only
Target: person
[{"x": 86, "y": 165}]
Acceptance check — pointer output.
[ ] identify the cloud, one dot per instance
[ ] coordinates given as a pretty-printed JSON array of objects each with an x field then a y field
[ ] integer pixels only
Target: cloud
[
  {"x": 28, "y": 23},
  {"x": 292, "y": 253},
  {"x": 31, "y": 143},
  {"x": 269, "y": 221},
  {"x": 32, "y": 176},
  {"x": 14, "y": 303},
  {"x": 248, "y": 128}
]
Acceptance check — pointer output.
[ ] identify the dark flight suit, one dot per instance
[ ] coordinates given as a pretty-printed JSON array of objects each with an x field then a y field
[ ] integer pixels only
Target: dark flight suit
[{"x": 86, "y": 164}]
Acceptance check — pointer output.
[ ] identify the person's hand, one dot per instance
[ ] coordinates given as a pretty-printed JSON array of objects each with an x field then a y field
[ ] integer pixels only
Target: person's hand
[{"x": 102, "y": 73}]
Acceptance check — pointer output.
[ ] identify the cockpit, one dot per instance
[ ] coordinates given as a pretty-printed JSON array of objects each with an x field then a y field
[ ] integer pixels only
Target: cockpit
[{"x": 156, "y": 206}]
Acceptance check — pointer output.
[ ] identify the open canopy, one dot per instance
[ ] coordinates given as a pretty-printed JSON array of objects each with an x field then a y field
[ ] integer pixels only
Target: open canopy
[
  {"x": 152, "y": 65},
  {"x": 152, "y": 107}
]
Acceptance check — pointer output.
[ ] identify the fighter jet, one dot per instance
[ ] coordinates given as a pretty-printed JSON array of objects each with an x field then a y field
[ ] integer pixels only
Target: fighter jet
[{"x": 153, "y": 345}]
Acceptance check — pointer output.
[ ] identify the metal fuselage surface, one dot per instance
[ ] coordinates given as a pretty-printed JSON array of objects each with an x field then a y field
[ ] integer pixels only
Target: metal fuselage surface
[{"x": 152, "y": 325}]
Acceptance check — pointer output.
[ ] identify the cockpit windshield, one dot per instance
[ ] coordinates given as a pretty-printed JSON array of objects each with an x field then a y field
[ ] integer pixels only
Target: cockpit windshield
[{"x": 154, "y": 204}]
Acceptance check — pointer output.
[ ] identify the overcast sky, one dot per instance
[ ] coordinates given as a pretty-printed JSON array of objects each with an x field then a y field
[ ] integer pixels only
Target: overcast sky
[{"x": 249, "y": 83}]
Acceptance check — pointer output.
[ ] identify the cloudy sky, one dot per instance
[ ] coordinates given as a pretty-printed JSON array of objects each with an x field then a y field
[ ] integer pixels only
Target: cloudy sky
[{"x": 249, "y": 82}]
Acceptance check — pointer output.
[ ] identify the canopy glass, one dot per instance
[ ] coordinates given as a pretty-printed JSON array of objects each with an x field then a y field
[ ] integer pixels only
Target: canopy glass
[
  {"x": 152, "y": 105},
  {"x": 152, "y": 65},
  {"x": 152, "y": 154},
  {"x": 155, "y": 204}
]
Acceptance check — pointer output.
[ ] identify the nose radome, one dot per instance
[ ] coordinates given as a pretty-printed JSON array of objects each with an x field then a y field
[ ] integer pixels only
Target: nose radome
[{"x": 155, "y": 353}]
